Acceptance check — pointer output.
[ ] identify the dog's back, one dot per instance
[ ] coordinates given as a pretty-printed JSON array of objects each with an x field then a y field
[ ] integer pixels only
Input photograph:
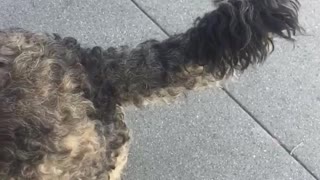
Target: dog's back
[{"x": 48, "y": 129}]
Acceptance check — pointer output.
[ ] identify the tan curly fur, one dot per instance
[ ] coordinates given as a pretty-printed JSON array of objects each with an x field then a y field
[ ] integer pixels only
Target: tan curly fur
[
  {"x": 46, "y": 125},
  {"x": 61, "y": 114}
]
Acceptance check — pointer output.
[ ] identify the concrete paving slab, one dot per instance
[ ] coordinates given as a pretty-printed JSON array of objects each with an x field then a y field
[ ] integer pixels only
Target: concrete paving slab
[
  {"x": 283, "y": 94},
  {"x": 94, "y": 22},
  {"x": 205, "y": 136},
  {"x": 175, "y": 16}
]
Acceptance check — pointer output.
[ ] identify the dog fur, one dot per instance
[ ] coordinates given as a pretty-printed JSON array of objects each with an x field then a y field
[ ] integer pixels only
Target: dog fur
[{"x": 61, "y": 104}]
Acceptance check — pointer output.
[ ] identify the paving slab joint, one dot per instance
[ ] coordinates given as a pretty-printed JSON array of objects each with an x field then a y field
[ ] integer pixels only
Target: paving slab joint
[
  {"x": 290, "y": 152},
  {"x": 150, "y": 17}
]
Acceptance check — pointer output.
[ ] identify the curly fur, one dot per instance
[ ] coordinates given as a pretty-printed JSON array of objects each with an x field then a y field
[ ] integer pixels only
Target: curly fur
[
  {"x": 48, "y": 128},
  {"x": 60, "y": 103}
]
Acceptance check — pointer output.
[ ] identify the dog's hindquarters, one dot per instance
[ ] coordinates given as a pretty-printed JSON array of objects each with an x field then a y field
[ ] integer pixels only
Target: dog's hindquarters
[{"x": 232, "y": 37}]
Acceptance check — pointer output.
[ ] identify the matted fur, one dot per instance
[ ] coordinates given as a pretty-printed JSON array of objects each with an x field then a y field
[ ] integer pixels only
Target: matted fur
[{"x": 60, "y": 103}]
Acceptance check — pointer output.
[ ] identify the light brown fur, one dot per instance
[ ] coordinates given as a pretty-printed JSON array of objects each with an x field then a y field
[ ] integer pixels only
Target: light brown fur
[{"x": 51, "y": 91}]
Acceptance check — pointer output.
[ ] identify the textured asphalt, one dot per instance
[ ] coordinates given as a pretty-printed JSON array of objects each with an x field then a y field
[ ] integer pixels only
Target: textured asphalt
[{"x": 264, "y": 126}]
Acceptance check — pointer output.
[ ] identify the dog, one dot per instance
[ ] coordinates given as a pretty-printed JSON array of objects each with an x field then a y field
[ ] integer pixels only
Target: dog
[{"x": 61, "y": 104}]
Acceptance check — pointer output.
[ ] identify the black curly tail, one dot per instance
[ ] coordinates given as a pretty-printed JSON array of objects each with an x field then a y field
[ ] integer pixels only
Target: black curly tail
[
  {"x": 232, "y": 37},
  {"x": 239, "y": 33}
]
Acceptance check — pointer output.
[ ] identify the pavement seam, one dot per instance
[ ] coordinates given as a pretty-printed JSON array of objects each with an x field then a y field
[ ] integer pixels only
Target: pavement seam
[
  {"x": 282, "y": 145},
  {"x": 270, "y": 134},
  {"x": 150, "y": 17}
]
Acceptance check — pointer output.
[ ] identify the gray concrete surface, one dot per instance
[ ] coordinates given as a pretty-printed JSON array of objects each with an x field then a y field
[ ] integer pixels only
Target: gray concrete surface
[
  {"x": 207, "y": 135},
  {"x": 283, "y": 95},
  {"x": 102, "y": 22}
]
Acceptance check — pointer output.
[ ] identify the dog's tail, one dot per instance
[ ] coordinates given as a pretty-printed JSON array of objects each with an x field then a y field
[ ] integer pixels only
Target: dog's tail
[
  {"x": 239, "y": 33},
  {"x": 232, "y": 37}
]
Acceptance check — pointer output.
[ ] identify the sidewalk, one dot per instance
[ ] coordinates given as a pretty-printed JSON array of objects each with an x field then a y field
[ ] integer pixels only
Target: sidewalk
[{"x": 265, "y": 126}]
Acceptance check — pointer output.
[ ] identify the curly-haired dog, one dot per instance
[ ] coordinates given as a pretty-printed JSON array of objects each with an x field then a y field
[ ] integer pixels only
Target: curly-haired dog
[{"x": 60, "y": 103}]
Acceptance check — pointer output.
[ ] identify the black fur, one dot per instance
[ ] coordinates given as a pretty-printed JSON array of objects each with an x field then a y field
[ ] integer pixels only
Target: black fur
[{"x": 238, "y": 33}]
